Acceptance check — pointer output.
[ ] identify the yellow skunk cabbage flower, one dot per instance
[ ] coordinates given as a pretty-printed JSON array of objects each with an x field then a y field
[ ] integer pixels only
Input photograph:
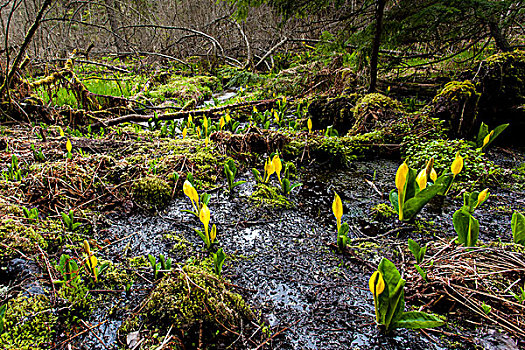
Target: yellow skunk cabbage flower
[
  {"x": 60, "y": 131},
  {"x": 184, "y": 132},
  {"x": 401, "y": 176},
  {"x": 487, "y": 138},
  {"x": 269, "y": 169},
  {"x": 433, "y": 175},
  {"x": 191, "y": 192},
  {"x": 482, "y": 196},
  {"x": 204, "y": 215},
  {"x": 213, "y": 233},
  {"x": 277, "y": 166},
  {"x": 255, "y": 110},
  {"x": 221, "y": 123},
  {"x": 457, "y": 164},
  {"x": 87, "y": 249},
  {"x": 276, "y": 115},
  {"x": 309, "y": 123},
  {"x": 198, "y": 130},
  {"x": 227, "y": 118},
  {"x": 421, "y": 179},
  {"x": 377, "y": 286},
  {"x": 190, "y": 119},
  {"x": 401, "y": 179},
  {"x": 376, "y": 283},
  {"x": 69, "y": 146},
  {"x": 337, "y": 209},
  {"x": 207, "y": 142}
]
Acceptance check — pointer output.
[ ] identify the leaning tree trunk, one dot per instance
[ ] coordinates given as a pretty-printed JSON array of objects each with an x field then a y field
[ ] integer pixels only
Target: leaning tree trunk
[
  {"x": 500, "y": 39},
  {"x": 380, "y": 8},
  {"x": 27, "y": 40}
]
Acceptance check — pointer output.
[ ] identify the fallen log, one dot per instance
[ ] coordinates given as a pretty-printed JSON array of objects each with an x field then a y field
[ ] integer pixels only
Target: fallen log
[{"x": 260, "y": 104}]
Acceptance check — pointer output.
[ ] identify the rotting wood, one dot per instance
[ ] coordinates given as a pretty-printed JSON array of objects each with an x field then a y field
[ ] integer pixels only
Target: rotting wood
[{"x": 261, "y": 104}]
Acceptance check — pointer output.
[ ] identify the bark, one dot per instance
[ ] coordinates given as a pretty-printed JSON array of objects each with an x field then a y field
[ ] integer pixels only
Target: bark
[{"x": 380, "y": 8}]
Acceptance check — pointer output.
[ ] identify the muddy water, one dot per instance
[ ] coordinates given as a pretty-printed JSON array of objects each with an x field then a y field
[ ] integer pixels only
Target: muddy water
[{"x": 280, "y": 259}]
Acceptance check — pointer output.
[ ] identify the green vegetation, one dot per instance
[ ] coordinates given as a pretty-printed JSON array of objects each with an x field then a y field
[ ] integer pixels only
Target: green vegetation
[{"x": 387, "y": 287}]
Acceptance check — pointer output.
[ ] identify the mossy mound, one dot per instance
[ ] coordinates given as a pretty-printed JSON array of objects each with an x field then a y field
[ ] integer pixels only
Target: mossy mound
[
  {"x": 24, "y": 237},
  {"x": 374, "y": 112},
  {"x": 151, "y": 192},
  {"x": 29, "y": 324},
  {"x": 185, "y": 89},
  {"x": 336, "y": 112},
  {"x": 192, "y": 297},
  {"x": 501, "y": 80},
  {"x": 457, "y": 104},
  {"x": 269, "y": 196}
]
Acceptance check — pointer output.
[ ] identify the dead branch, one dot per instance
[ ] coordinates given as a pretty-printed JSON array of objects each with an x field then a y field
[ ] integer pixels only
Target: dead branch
[{"x": 182, "y": 114}]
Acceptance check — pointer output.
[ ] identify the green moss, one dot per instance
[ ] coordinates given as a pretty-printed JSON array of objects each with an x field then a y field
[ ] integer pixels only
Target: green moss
[
  {"x": 23, "y": 236},
  {"x": 151, "y": 192},
  {"x": 29, "y": 322},
  {"x": 457, "y": 91},
  {"x": 375, "y": 111},
  {"x": 383, "y": 211},
  {"x": 192, "y": 295},
  {"x": 116, "y": 277},
  {"x": 270, "y": 196},
  {"x": 181, "y": 246},
  {"x": 197, "y": 88},
  {"x": 337, "y": 151},
  {"x": 138, "y": 261}
]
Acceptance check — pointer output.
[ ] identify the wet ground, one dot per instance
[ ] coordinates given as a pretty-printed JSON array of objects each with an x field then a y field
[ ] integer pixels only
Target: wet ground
[{"x": 282, "y": 261}]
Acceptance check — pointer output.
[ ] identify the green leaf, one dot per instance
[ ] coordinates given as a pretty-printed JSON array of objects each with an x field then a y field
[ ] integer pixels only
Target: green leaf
[
  {"x": 497, "y": 130},
  {"x": 152, "y": 261},
  {"x": 391, "y": 301},
  {"x": 517, "y": 225},
  {"x": 445, "y": 181},
  {"x": 411, "y": 187},
  {"x": 421, "y": 271},
  {"x": 417, "y": 319},
  {"x": 394, "y": 199},
  {"x": 415, "y": 204},
  {"x": 416, "y": 250},
  {"x": 483, "y": 131}
]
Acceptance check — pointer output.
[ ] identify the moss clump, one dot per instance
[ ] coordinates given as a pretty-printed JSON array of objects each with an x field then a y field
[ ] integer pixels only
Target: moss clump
[
  {"x": 195, "y": 88},
  {"x": 190, "y": 296},
  {"x": 336, "y": 151},
  {"x": 382, "y": 212},
  {"x": 375, "y": 111},
  {"x": 336, "y": 112},
  {"x": 151, "y": 192},
  {"x": 457, "y": 103},
  {"x": 116, "y": 277},
  {"x": 29, "y": 323},
  {"x": 25, "y": 236},
  {"x": 269, "y": 196}
]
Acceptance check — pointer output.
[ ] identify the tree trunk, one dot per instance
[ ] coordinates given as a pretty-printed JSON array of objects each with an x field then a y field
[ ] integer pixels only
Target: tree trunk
[
  {"x": 380, "y": 8},
  {"x": 499, "y": 38},
  {"x": 113, "y": 23}
]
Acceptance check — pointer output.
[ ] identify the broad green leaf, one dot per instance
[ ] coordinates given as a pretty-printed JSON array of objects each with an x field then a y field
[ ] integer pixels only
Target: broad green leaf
[
  {"x": 473, "y": 233},
  {"x": 460, "y": 220},
  {"x": 415, "y": 249},
  {"x": 394, "y": 200},
  {"x": 497, "y": 130},
  {"x": 482, "y": 132},
  {"x": 411, "y": 187},
  {"x": 415, "y": 204},
  {"x": 416, "y": 320},
  {"x": 517, "y": 225},
  {"x": 391, "y": 277},
  {"x": 445, "y": 181},
  {"x": 397, "y": 304}
]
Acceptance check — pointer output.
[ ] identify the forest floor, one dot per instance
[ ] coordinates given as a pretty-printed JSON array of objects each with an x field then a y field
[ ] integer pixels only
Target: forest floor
[{"x": 285, "y": 284}]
